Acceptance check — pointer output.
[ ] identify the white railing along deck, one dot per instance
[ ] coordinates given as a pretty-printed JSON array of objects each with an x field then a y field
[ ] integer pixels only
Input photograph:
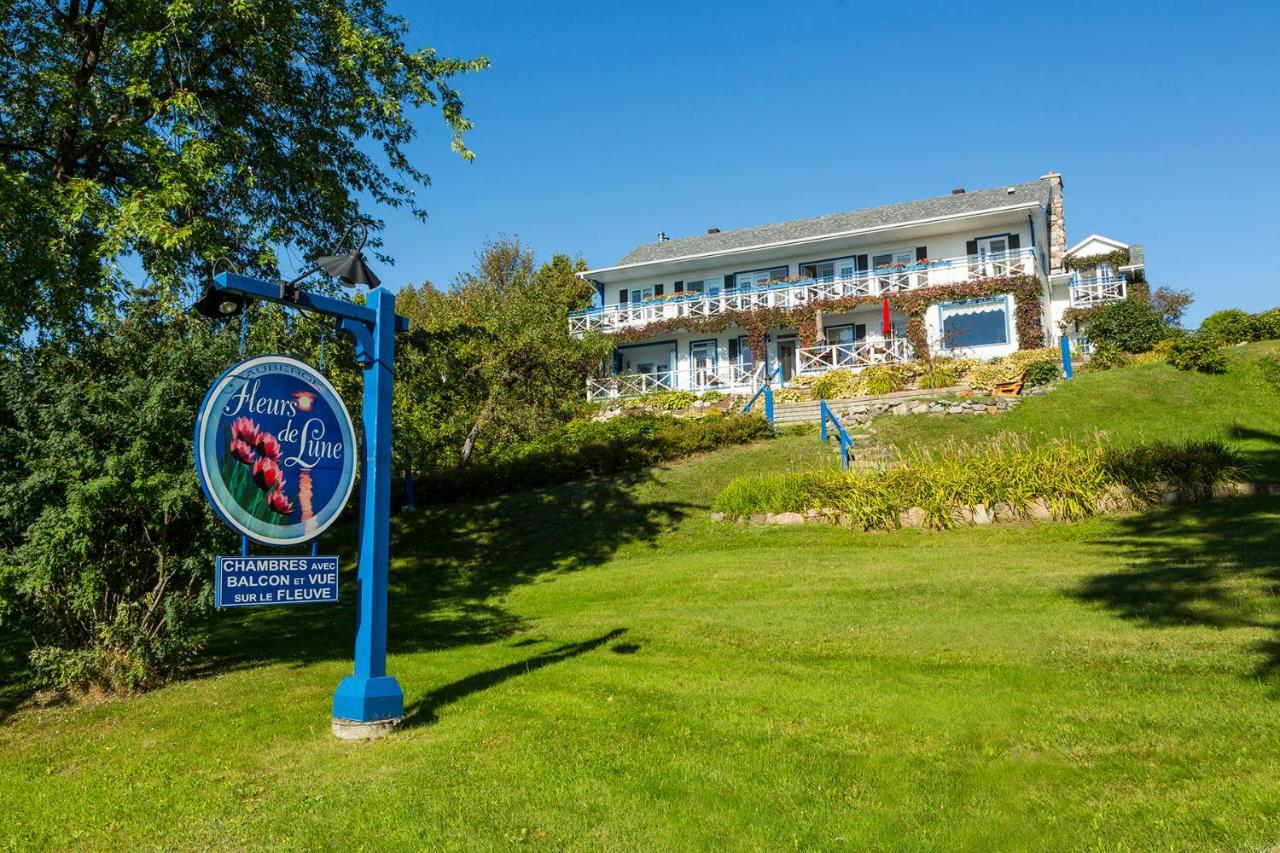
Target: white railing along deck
[
  {"x": 790, "y": 294},
  {"x": 853, "y": 356},
  {"x": 727, "y": 377},
  {"x": 1085, "y": 293}
]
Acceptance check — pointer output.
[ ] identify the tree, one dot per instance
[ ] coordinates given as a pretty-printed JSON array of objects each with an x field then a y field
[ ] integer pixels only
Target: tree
[
  {"x": 167, "y": 135},
  {"x": 1130, "y": 325},
  {"x": 1171, "y": 304},
  {"x": 1232, "y": 326},
  {"x": 495, "y": 360}
]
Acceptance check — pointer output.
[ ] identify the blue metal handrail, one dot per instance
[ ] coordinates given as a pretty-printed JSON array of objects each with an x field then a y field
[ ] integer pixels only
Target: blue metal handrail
[
  {"x": 768, "y": 403},
  {"x": 846, "y": 443}
]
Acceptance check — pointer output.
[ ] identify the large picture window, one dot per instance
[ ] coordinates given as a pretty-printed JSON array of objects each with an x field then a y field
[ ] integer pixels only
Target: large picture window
[{"x": 976, "y": 323}]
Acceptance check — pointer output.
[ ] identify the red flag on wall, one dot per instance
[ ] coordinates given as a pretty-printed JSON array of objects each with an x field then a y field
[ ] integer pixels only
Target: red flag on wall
[{"x": 888, "y": 327}]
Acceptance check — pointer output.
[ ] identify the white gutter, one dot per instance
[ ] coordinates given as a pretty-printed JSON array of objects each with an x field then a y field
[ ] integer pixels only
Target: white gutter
[{"x": 800, "y": 241}]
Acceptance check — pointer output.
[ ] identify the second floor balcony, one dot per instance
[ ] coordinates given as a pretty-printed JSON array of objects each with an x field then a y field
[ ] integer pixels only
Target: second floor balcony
[
  {"x": 793, "y": 293},
  {"x": 1088, "y": 291}
]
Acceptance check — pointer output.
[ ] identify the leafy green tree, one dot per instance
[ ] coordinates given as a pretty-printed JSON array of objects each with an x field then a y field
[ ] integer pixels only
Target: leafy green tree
[
  {"x": 509, "y": 367},
  {"x": 164, "y": 135},
  {"x": 1129, "y": 325},
  {"x": 106, "y": 543}
]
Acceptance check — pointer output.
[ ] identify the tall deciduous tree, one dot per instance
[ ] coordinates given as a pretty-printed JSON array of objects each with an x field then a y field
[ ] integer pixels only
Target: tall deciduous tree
[
  {"x": 168, "y": 134},
  {"x": 503, "y": 364}
]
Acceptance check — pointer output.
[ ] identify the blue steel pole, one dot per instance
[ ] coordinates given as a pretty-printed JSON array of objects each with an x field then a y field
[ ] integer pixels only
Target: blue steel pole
[
  {"x": 369, "y": 694},
  {"x": 1065, "y": 343}
]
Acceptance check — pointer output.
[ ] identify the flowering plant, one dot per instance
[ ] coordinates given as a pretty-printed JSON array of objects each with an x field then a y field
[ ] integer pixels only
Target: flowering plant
[{"x": 251, "y": 471}]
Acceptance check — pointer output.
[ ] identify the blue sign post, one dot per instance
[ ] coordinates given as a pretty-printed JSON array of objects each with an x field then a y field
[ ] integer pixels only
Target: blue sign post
[{"x": 369, "y": 702}]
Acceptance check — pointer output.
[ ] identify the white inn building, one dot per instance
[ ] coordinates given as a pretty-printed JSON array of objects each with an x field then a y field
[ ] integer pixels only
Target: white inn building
[{"x": 811, "y": 294}]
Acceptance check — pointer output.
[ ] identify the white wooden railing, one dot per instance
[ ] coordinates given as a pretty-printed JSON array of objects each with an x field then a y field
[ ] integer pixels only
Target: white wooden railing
[
  {"x": 790, "y": 294},
  {"x": 854, "y": 356},
  {"x": 1085, "y": 292},
  {"x": 735, "y": 378}
]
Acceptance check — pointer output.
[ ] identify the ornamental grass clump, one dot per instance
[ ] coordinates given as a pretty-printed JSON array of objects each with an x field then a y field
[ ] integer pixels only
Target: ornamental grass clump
[{"x": 1007, "y": 478}]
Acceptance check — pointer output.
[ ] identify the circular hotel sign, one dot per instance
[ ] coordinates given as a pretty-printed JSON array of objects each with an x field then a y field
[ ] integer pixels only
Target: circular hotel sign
[{"x": 275, "y": 450}]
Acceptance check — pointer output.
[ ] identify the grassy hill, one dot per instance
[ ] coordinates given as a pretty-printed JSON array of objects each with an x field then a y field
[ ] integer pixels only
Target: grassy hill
[{"x": 600, "y": 665}]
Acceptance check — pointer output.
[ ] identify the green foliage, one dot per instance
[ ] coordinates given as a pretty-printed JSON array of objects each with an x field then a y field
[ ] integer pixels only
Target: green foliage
[
  {"x": 1129, "y": 325},
  {"x": 669, "y": 401},
  {"x": 1199, "y": 352},
  {"x": 1043, "y": 372},
  {"x": 1071, "y": 480},
  {"x": 986, "y": 376},
  {"x": 1107, "y": 356},
  {"x": 1231, "y": 326},
  {"x": 583, "y": 448},
  {"x": 791, "y": 395},
  {"x": 106, "y": 544},
  {"x": 1268, "y": 323},
  {"x": 173, "y": 134},
  {"x": 711, "y": 396},
  {"x": 835, "y": 384},
  {"x": 491, "y": 362},
  {"x": 1117, "y": 258},
  {"x": 870, "y": 380}
]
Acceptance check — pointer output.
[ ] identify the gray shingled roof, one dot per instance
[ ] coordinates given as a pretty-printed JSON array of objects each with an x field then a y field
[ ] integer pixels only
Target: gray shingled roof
[{"x": 835, "y": 223}]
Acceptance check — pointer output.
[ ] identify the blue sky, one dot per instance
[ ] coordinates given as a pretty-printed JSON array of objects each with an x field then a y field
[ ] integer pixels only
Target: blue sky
[{"x": 601, "y": 124}]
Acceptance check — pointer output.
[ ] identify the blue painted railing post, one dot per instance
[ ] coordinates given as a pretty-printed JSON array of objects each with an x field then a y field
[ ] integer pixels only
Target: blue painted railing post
[
  {"x": 370, "y": 695},
  {"x": 1065, "y": 343},
  {"x": 768, "y": 404},
  {"x": 822, "y": 418}
]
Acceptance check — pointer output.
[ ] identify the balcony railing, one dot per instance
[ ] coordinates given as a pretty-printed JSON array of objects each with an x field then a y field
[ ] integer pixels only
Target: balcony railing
[
  {"x": 791, "y": 294},
  {"x": 854, "y": 356},
  {"x": 1089, "y": 292},
  {"x": 730, "y": 377}
]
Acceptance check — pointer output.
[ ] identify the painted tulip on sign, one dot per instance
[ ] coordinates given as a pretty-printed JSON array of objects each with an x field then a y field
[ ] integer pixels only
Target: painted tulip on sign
[{"x": 269, "y": 425}]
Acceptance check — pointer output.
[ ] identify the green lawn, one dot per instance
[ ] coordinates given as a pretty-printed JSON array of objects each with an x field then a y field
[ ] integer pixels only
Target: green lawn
[{"x": 600, "y": 665}]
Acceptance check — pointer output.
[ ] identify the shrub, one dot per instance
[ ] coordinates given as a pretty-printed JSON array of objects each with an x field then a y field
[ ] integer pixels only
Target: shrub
[
  {"x": 1268, "y": 323},
  {"x": 941, "y": 378},
  {"x": 984, "y": 377},
  {"x": 1108, "y": 357},
  {"x": 582, "y": 449},
  {"x": 670, "y": 401},
  {"x": 1129, "y": 325},
  {"x": 1232, "y": 326},
  {"x": 1043, "y": 372},
  {"x": 711, "y": 397},
  {"x": 883, "y": 378},
  {"x": 1072, "y": 479},
  {"x": 1198, "y": 352},
  {"x": 790, "y": 395},
  {"x": 834, "y": 384}
]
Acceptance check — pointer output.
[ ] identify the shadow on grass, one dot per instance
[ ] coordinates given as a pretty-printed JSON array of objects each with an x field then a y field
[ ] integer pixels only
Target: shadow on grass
[
  {"x": 450, "y": 565},
  {"x": 1215, "y": 564},
  {"x": 1260, "y": 450},
  {"x": 424, "y": 710}
]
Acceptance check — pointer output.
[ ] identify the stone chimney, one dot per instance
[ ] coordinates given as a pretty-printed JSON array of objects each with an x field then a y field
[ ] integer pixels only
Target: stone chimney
[{"x": 1057, "y": 222}]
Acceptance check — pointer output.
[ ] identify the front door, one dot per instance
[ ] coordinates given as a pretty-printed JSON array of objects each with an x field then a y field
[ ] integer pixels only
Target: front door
[
  {"x": 787, "y": 358},
  {"x": 702, "y": 357},
  {"x": 993, "y": 255}
]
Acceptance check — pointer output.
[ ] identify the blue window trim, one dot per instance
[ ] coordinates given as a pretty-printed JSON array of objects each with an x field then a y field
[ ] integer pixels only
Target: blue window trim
[
  {"x": 715, "y": 351},
  {"x": 853, "y": 327},
  {"x": 1005, "y": 300}
]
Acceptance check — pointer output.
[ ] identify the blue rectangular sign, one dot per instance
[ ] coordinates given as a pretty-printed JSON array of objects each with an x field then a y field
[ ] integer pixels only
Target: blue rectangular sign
[{"x": 247, "y": 581}]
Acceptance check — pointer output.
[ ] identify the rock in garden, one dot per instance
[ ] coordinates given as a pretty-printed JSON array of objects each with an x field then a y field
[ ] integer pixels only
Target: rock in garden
[{"x": 788, "y": 518}]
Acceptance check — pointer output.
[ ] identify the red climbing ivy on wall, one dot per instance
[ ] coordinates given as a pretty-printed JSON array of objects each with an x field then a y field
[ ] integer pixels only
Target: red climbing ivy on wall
[{"x": 1026, "y": 290}]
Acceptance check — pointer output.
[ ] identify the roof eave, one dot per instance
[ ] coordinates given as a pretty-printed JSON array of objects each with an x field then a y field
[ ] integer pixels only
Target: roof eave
[{"x": 801, "y": 241}]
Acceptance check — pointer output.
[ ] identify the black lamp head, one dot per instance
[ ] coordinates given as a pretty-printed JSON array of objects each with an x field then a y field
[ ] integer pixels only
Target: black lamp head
[
  {"x": 219, "y": 304},
  {"x": 349, "y": 269}
]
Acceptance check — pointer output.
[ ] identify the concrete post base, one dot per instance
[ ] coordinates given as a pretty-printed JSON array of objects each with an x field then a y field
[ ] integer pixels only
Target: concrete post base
[{"x": 356, "y": 730}]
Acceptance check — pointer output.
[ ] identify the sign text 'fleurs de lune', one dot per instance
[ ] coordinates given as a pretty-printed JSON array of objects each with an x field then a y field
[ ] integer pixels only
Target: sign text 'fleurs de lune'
[{"x": 275, "y": 450}]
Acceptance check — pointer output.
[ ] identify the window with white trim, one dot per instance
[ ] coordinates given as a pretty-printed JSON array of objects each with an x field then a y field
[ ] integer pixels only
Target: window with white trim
[
  {"x": 745, "y": 280},
  {"x": 975, "y": 323}
]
